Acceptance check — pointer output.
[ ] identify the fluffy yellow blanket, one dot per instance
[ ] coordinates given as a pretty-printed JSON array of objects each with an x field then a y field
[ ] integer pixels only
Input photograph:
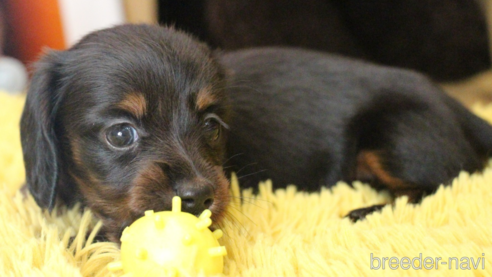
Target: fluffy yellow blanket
[{"x": 275, "y": 233}]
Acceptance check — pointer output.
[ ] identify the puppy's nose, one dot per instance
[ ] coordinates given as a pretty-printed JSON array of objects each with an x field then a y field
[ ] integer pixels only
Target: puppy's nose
[{"x": 196, "y": 199}]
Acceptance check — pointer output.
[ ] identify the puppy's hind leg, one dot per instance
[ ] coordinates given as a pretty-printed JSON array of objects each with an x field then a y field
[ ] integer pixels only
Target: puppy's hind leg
[
  {"x": 374, "y": 170},
  {"x": 413, "y": 153}
]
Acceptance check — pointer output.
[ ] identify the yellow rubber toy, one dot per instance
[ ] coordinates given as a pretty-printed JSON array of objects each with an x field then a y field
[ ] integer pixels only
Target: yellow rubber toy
[{"x": 171, "y": 243}]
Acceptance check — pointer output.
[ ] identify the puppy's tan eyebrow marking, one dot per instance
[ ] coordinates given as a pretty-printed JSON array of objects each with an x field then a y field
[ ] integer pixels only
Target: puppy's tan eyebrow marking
[
  {"x": 135, "y": 104},
  {"x": 205, "y": 98},
  {"x": 76, "y": 151}
]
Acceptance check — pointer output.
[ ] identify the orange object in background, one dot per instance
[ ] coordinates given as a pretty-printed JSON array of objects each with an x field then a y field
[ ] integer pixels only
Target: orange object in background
[{"x": 34, "y": 24}]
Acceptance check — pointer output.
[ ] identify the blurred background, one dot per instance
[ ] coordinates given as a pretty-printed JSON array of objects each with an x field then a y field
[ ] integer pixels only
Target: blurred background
[{"x": 448, "y": 40}]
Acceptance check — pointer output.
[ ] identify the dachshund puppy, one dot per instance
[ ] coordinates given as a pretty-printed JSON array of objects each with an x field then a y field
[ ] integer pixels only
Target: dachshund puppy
[
  {"x": 133, "y": 115},
  {"x": 313, "y": 119},
  {"x": 125, "y": 120}
]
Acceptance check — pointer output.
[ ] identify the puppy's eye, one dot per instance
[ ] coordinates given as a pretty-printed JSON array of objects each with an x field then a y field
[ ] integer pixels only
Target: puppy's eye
[
  {"x": 212, "y": 124},
  {"x": 212, "y": 129},
  {"x": 121, "y": 135}
]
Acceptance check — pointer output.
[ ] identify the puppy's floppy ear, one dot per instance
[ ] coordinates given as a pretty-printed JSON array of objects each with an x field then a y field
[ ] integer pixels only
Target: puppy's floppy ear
[{"x": 38, "y": 138}]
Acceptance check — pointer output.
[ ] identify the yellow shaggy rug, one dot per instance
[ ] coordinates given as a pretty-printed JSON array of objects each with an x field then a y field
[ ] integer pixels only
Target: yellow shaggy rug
[{"x": 275, "y": 233}]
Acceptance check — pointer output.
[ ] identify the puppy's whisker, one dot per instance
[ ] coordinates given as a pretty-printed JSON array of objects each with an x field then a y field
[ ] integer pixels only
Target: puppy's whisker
[
  {"x": 257, "y": 172},
  {"x": 234, "y": 221},
  {"x": 250, "y": 200},
  {"x": 237, "y": 221},
  {"x": 252, "y": 203},
  {"x": 241, "y": 169},
  {"x": 231, "y": 157}
]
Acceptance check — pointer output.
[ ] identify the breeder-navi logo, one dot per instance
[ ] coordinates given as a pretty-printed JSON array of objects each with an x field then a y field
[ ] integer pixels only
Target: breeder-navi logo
[{"x": 463, "y": 263}]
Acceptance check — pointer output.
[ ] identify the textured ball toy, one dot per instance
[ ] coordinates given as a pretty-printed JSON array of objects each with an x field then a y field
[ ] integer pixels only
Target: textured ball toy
[{"x": 171, "y": 243}]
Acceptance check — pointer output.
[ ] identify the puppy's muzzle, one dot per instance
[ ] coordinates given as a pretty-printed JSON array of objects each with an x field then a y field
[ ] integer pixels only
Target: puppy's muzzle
[{"x": 196, "y": 196}]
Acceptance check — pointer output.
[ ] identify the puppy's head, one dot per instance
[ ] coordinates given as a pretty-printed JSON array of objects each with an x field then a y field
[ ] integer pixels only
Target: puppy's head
[{"x": 125, "y": 120}]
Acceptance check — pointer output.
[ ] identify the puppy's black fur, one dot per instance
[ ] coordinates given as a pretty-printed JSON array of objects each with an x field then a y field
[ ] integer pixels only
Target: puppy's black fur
[
  {"x": 125, "y": 120},
  {"x": 133, "y": 115},
  {"x": 313, "y": 119}
]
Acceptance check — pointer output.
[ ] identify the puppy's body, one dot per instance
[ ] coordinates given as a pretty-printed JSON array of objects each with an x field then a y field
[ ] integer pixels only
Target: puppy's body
[
  {"x": 133, "y": 115},
  {"x": 313, "y": 119}
]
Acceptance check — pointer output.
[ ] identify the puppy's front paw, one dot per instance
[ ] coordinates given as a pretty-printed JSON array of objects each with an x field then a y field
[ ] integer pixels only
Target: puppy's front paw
[{"x": 360, "y": 214}]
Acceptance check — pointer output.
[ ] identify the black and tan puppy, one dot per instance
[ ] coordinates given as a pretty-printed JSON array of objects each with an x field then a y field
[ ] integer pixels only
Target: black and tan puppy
[
  {"x": 133, "y": 115},
  {"x": 125, "y": 120},
  {"x": 313, "y": 119}
]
